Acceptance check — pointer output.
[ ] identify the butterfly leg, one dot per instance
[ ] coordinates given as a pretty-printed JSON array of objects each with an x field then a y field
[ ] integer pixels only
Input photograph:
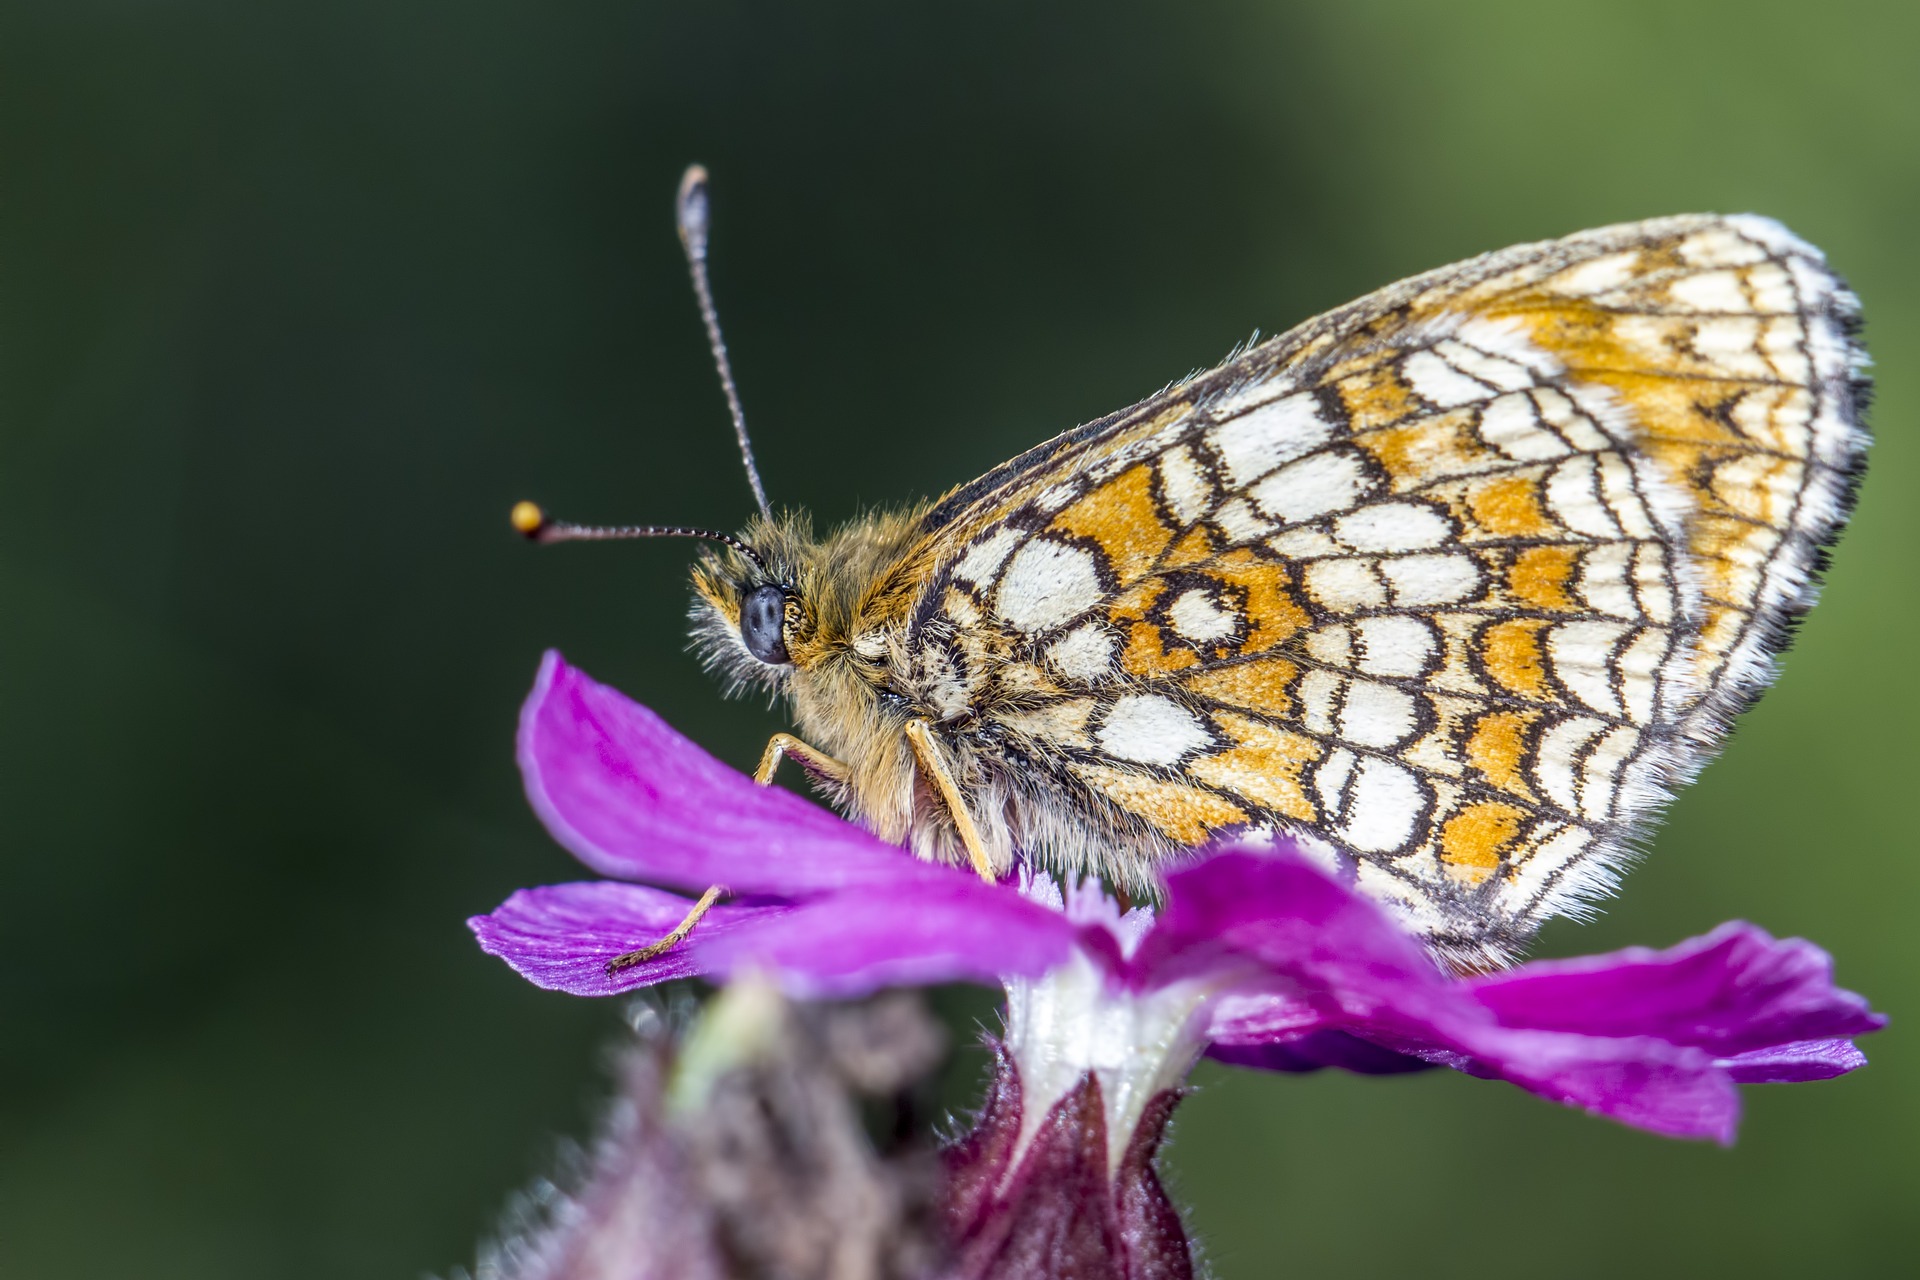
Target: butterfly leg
[
  {"x": 816, "y": 762},
  {"x": 679, "y": 935},
  {"x": 782, "y": 744},
  {"x": 927, "y": 752}
]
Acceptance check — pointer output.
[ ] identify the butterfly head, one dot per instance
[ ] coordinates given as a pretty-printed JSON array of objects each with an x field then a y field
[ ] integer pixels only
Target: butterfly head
[{"x": 752, "y": 615}]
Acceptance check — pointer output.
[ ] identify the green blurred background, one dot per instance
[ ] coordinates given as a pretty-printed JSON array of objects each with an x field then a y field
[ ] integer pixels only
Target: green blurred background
[{"x": 296, "y": 299}]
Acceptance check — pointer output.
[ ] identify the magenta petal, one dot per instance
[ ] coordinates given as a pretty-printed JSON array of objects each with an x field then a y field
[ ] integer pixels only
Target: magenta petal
[
  {"x": 1334, "y": 961},
  {"x": 1317, "y": 1051},
  {"x": 1277, "y": 909},
  {"x": 954, "y": 927},
  {"x": 633, "y": 799},
  {"x": 561, "y": 937},
  {"x": 1640, "y": 1081},
  {"x": 1794, "y": 1063},
  {"x": 1733, "y": 990}
]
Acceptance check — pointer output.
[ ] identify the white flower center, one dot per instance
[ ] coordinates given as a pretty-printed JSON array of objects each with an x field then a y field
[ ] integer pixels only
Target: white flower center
[{"x": 1071, "y": 1021}]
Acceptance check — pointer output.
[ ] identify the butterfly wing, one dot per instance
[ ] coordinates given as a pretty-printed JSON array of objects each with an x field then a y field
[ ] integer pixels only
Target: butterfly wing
[{"x": 1456, "y": 581}]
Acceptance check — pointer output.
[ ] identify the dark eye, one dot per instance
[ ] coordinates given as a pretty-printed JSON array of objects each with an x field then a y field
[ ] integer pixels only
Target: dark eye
[{"x": 761, "y": 615}]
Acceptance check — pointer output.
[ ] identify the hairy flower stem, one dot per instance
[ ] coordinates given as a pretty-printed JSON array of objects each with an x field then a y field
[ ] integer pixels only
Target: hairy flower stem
[{"x": 736, "y": 1150}]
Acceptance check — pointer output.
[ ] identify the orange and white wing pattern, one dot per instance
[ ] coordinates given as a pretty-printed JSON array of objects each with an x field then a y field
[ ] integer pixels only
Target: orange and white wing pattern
[{"x": 1457, "y": 581}]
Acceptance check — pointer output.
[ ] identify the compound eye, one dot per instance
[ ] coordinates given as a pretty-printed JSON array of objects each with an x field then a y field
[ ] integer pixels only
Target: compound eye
[{"x": 762, "y": 615}]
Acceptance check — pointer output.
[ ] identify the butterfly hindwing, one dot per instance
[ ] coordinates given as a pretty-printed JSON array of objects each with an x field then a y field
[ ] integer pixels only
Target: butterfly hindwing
[{"x": 1455, "y": 581}]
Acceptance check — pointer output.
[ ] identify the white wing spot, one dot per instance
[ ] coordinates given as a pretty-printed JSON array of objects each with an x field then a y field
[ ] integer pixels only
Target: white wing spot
[
  {"x": 1709, "y": 291},
  {"x": 1640, "y": 664},
  {"x": 1652, "y": 585},
  {"x": 1376, "y": 715},
  {"x": 1304, "y": 544},
  {"x": 1151, "y": 730},
  {"x": 1085, "y": 653},
  {"x": 1237, "y": 520},
  {"x": 1617, "y": 484},
  {"x": 1199, "y": 618},
  {"x": 1569, "y": 420},
  {"x": 1719, "y": 247},
  {"x": 1780, "y": 343},
  {"x": 1047, "y": 583},
  {"x": 1250, "y": 395},
  {"x": 1186, "y": 487},
  {"x": 1551, "y": 856},
  {"x": 983, "y": 558},
  {"x": 1345, "y": 585},
  {"x": 1392, "y": 645},
  {"x": 1312, "y": 487},
  {"x": 1600, "y": 274},
  {"x": 1331, "y": 646},
  {"x": 1439, "y": 382},
  {"x": 1255, "y": 443},
  {"x": 1773, "y": 235},
  {"x": 1733, "y": 344},
  {"x": 1559, "y": 747},
  {"x": 1317, "y": 692},
  {"x": 1429, "y": 580},
  {"x": 1056, "y": 496},
  {"x": 1383, "y": 802},
  {"x": 1603, "y": 580},
  {"x": 1772, "y": 288},
  {"x": 1582, "y": 655},
  {"x": 1392, "y": 526},
  {"x": 1495, "y": 371},
  {"x": 1606, "y": 409},
  {"x": 1603, "y": 763},
  {"x": 1575, "y": 501},
  {"x": 1512, "y": 425},
  {"x": 1330, "y": 779}
]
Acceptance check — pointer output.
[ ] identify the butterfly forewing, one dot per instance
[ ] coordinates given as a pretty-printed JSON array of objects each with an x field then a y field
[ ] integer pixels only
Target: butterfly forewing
[{"x": 1456, "y": 580}]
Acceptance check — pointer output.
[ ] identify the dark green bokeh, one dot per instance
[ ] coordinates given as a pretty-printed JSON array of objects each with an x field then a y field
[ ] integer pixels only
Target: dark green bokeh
[{"x": 296, "y": 299}]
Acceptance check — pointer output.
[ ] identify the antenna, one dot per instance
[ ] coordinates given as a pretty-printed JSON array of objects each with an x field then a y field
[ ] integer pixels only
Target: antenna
[
  {"x": 530, "y": 520},
  {"x": 690, "y": 212}
]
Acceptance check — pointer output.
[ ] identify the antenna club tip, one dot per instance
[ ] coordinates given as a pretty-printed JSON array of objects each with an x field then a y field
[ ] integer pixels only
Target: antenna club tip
[
  {"x": 690, "y": 206},
  {"x": 528, "y": 518}
]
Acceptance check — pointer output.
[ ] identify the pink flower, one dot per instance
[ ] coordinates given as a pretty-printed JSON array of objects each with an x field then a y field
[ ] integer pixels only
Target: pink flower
[{"x": 1259, "y": 956}]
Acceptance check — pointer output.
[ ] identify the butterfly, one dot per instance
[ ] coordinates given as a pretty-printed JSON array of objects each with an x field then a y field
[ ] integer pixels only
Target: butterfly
[{"x": 1453, "y": 585}]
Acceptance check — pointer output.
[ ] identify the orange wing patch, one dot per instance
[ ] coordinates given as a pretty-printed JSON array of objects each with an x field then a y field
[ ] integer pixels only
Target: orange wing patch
[
  {"x": 1266, "y": 765},
  {"x": 1538, "y": 577},
  {"x": 1184, "y": 813},
  {"x": 1121, "y": 517},
  {"x": 1474, "y": 842},
  {"x": 1510, "y": 506},
  {"x": 1497, "y": 747}
]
